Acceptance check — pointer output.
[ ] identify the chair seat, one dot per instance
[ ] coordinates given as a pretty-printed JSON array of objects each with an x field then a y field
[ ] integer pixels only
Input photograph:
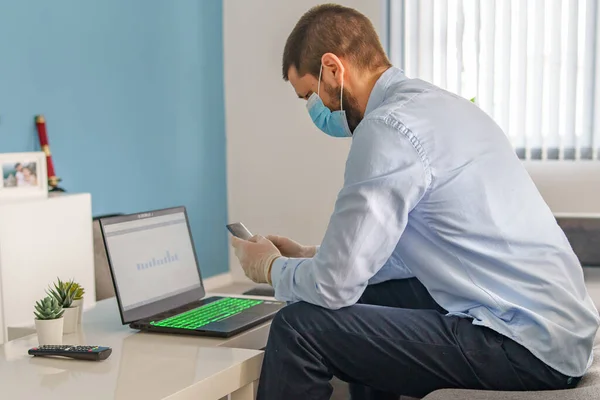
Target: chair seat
[{"x": 588, "y": 388}]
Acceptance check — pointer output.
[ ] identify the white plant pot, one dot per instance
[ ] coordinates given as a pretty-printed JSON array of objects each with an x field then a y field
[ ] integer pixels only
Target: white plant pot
[
  {"x": 49, "y": 331},
  {"x": 79, "y": 305},
  {"x": 71, "y": 316}
]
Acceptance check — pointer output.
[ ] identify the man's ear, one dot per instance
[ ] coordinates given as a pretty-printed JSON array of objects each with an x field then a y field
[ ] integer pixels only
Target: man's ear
[{"x": 333, "y": 69}]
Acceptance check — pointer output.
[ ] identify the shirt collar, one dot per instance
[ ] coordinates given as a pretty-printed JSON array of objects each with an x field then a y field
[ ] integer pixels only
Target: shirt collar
[{"x": 389, "y": 77}]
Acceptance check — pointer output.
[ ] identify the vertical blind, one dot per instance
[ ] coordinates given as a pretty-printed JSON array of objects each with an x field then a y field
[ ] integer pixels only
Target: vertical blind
[{"x": 530, "y": 64}]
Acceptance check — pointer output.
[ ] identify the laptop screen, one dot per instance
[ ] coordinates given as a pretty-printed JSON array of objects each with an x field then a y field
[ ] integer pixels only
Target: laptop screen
[{"x": 153, "y": 262}]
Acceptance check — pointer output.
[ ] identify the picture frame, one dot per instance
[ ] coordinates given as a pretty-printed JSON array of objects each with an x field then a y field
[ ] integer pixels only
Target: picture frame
[{"x": 24, "y": 176}]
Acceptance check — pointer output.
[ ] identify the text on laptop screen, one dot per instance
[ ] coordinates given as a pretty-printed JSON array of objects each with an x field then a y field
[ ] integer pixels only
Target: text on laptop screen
[{"x": 152, "y": 258}]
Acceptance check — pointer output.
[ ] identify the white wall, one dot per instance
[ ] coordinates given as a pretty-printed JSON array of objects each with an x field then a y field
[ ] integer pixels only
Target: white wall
[
  {"x": 283, "y": 173},
  {"x": 568, "y": 187}
]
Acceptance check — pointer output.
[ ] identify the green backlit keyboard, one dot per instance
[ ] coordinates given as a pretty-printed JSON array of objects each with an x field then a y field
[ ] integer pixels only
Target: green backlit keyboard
[{"x": 211, "y": 312}]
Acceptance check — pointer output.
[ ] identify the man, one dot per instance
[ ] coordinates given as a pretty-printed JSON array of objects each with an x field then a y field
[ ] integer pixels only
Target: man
[
  {"x": 441, "y": 267},
  {"x": 20, "y": 175}
]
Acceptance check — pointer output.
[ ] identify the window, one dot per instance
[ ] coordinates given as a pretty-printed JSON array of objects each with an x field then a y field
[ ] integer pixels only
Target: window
[{"x": 530, "y": 64}]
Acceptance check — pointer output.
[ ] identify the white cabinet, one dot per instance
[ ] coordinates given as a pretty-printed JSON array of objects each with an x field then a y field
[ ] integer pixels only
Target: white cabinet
[{"x": 41, "y": 240}]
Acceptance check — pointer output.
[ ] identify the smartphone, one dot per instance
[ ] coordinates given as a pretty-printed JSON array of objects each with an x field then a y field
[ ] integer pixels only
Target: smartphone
[{"x": 238, "y": 229}]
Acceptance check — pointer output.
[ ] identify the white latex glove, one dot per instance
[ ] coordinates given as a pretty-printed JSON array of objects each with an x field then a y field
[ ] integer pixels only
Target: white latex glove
[
  {"x": 256, "y": 256},
  {"x": 291, "y": 248}
]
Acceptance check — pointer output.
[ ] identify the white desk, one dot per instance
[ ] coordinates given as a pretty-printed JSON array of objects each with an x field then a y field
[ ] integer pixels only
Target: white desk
[
  {"x": 142, "y": 365},
  {"x": 104, "y": 323}
]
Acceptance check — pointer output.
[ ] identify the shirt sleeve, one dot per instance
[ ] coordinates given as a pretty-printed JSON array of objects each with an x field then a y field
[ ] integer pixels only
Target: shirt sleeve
[{"x": 386, "y": 175}]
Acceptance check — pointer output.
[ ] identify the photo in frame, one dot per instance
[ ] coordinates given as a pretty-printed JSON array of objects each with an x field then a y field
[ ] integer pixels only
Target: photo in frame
[{"x": 24, "y": 176}]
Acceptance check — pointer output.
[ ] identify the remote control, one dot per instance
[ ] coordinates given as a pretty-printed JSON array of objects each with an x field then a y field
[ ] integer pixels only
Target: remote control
[{"x": 91, "y": 353}]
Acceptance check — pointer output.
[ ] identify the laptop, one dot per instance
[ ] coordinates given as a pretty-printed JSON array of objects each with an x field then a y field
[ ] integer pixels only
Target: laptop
[{"x": 158, "y": 285}]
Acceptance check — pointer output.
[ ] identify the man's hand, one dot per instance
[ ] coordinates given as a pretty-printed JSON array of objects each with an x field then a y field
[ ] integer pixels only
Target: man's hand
[
  {"x": 290, "y": 248},
  {"x": 256, "y": 257}
]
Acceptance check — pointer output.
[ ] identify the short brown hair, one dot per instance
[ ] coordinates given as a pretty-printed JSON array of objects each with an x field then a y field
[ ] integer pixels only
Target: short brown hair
[{"x": 331, "y": 28}]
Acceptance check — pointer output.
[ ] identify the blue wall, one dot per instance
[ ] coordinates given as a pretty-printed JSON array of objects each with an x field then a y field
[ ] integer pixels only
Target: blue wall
[{"x": 133, "y": 96}]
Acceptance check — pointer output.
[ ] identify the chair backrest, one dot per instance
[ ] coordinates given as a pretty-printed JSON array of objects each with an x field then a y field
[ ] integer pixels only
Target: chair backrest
[{"x": 583, "y": 233}]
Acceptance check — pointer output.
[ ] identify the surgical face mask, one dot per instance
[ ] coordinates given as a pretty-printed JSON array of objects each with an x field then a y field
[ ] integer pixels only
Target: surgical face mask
[{"x": 332, "y": 123}]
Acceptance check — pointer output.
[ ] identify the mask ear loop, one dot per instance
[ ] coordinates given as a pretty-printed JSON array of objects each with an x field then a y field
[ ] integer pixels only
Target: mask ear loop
[
  {"x": 342, "y": 93},
  {"x": 319, "y": 83}
]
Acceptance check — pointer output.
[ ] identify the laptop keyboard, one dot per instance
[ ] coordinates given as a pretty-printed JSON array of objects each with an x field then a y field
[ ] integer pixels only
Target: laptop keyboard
[{"x": 211, "y": 312}]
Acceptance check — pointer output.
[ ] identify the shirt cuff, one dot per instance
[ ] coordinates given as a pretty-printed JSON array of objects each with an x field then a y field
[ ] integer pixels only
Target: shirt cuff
[{"x": 278, "y": 265}]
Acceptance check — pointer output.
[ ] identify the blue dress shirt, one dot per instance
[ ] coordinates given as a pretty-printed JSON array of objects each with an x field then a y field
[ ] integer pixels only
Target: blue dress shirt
[{"x": 433, "y": 189}]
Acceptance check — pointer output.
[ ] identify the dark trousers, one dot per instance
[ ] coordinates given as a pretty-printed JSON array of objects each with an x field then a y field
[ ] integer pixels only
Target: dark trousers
[{"x": 396, "y": 341}]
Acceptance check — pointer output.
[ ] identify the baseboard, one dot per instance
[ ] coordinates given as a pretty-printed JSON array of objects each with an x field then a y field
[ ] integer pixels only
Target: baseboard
[
  {"x": 19, "y": 332},
  {"x": 217, "y": 281}
]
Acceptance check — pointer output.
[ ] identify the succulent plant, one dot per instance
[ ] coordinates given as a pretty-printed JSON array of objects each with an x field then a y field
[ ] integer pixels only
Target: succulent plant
[
  {"x": 48, "y": 308},
  {"x": 78, "y": 291},
  {"x": 62, "y": 293}
]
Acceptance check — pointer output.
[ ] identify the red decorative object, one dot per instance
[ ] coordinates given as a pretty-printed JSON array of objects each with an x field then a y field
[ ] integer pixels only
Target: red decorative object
[{"x": 40, "y": 123}]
